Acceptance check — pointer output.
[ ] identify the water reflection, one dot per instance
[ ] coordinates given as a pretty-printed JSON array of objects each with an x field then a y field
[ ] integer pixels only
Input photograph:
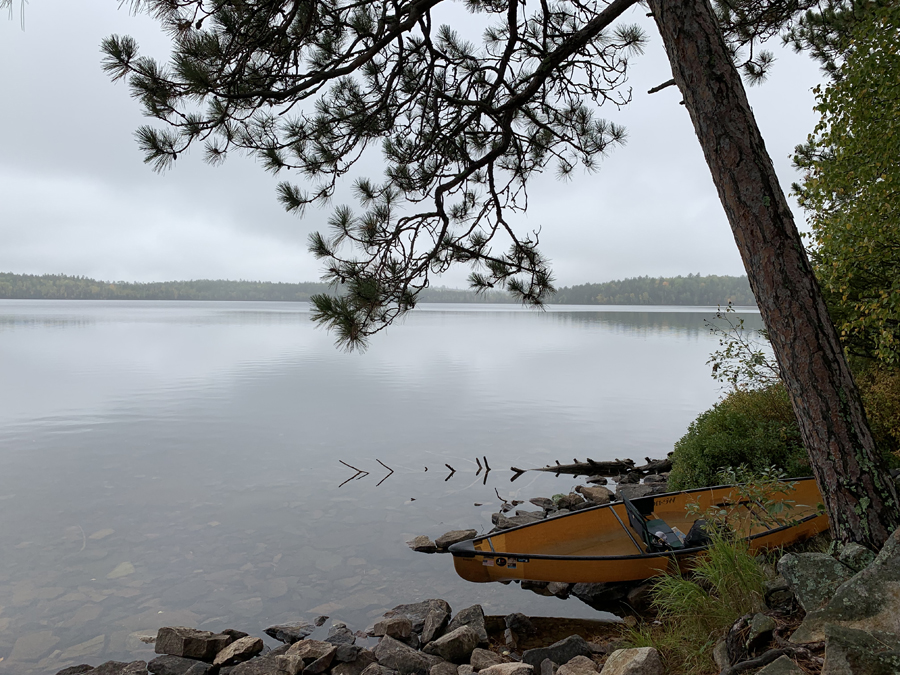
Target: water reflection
[{"x": 169, "y": 463}]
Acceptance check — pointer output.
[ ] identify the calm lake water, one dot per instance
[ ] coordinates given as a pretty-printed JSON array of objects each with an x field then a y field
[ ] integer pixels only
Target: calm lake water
[{"x": 171, "y": 463}]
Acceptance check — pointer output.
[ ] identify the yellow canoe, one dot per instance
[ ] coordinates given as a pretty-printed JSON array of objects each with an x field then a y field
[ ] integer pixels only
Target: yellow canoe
[{"x": 630, "y": 541}]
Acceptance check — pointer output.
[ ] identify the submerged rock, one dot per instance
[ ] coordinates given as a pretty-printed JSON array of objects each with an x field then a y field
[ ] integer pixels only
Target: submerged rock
[{"x": 289, "y": 633}]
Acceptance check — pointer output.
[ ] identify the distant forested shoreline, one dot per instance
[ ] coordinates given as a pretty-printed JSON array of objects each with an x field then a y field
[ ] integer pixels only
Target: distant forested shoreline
[{"x": 692, "y": 289}]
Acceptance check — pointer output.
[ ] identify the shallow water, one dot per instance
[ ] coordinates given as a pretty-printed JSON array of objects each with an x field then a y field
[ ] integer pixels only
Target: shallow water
[{"x": 169, "y": 463}]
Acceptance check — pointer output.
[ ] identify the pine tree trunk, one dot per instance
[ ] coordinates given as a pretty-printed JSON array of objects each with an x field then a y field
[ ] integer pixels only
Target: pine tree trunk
[{"x": 857, "y": 489}]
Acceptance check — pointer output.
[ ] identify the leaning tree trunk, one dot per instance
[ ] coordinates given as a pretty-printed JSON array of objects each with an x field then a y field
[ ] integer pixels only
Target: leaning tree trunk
[{"x": 857, "y": 489}]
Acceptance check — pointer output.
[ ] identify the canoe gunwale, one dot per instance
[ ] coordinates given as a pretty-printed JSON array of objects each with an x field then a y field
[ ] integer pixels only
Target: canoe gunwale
[{"x": 466, "y": 549}]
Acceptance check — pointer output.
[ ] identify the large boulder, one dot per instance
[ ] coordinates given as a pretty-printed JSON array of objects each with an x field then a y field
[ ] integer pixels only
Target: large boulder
[
  {"x": 869, "y": 601},
  {"x": 455, "y": 646},
  {"x": 559, "y": 652},
  {"x": 641, "y": 661},
  {"x": 474, "y": 618},
  {"x": 857, "y": 652},
  {"x": 121, "y": 668},
  {"x": 813, "y": 577},
  {"x": 190, "y": 643}
]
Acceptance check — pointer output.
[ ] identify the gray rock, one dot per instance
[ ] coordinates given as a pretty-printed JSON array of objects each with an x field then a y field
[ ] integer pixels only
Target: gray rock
[
  {"x": 813, "y": 577},
  {"x": 506, "y": 522},
  {"x": 778, "y": 591},
  {"x": 869, "y": 601},
  {"x": 289, "y": 633},
  {"x": 599, "y": 595},
  {"x": 435, "y": 622},
  {"x": 121, "y": 668},
  {"x": 548, "y": 667},
  {"x": 190, "y": 643},
  {"x": 76, "y": 670},
  {"x": 289, "y": 664},
  {"x": 316, "y": 655},
  {"x": 857, "y": 652},
  {"x": 484, "y": 658},
  {"x": 474, "y": 618},
  {"x": 397, "y": 656},
  {"x": 509, "y": 669},
  {"x": 231, "y": 632},
  {"x": 339, "y": 634},
  {"x": 346, "y": 653},
  {"x": 559, "y": 589},
  {"x": 640, "y": 598},
  {"x": 378, "y": 669},
  {"x": 580, "y": 665},
  {"x": 419, "y": 611},
  {"x": 238, "y": 651},
  {"x": 856, "y": 557},
  {"x": 781, "y": 666},
  {"x": 397, "y": 626},
  {"x": 364, "y": 658},
  {"x": 177, "y": 665},
  {"x": 597, "y": 480},
  {"x": 455, "y": 646},
  {"x": 422, "y": 544},
  {"x": 559, "y": 652},
  {"x": 655, "y": 478},
  {"x": 641, "y": 661},
  {"x": 720, "y": 654},
  {"x": 569, "y": 501},
  {"x": 33, "y": 646},
  {"x": 464, "y": 669},
  {"x": 267, "y": 664},
  {"x": 519, "y": 624},
  {"x": 454, "y": 537},
  {"x": 543, "y": 503},
  {"x": 761, "y": 627},
  {"x": 595, "y": 495},
  {"x": 636, "y": 491},
  {"x": 443, "y": 668}
]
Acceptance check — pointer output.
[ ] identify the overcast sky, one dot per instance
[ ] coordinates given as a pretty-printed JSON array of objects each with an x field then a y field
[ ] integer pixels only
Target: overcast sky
[{"x": 75, "y": 197}]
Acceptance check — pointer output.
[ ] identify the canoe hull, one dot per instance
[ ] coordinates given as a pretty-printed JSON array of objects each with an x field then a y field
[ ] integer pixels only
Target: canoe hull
[{"x": 523, "y": 553}]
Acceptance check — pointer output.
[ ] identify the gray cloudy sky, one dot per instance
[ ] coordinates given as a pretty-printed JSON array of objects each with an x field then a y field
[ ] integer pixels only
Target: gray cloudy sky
[{"x": 75, "y": 197}]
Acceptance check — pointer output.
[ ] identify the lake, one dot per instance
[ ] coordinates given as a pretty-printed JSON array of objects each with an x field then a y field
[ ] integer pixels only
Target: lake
[{"x": 179, "y": 463}]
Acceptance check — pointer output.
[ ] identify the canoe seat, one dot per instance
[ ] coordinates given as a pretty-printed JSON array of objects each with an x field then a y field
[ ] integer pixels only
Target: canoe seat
[{"x": 655, "y": 533}]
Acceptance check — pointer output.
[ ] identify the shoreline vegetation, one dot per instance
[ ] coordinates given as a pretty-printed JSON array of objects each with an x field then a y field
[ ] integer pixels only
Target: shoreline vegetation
[{"x": 693, "y": 289}]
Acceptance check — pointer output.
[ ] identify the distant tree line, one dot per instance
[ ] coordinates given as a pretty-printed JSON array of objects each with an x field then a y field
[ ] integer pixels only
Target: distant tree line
[
  {"x": 693, "y": 289},
  {"x": 690, "y": 290}
]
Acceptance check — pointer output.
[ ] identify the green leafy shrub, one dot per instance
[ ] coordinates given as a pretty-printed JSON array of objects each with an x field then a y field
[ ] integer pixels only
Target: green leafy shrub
[
  {"x": 697, "y": 609},
  {"x": 879, "y": 387},
  {"x": 753, "y": 427}
]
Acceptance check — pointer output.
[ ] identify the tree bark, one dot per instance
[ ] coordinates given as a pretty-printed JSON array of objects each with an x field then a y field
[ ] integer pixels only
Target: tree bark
[{"x": 859, "y": 494}]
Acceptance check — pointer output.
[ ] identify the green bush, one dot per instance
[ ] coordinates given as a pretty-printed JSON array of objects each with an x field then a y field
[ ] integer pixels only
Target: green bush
[{"x": 756, "y": 428}]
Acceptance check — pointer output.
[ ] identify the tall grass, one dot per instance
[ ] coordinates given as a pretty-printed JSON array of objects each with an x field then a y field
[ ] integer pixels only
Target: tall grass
[{"x": 695, "y": 610}]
